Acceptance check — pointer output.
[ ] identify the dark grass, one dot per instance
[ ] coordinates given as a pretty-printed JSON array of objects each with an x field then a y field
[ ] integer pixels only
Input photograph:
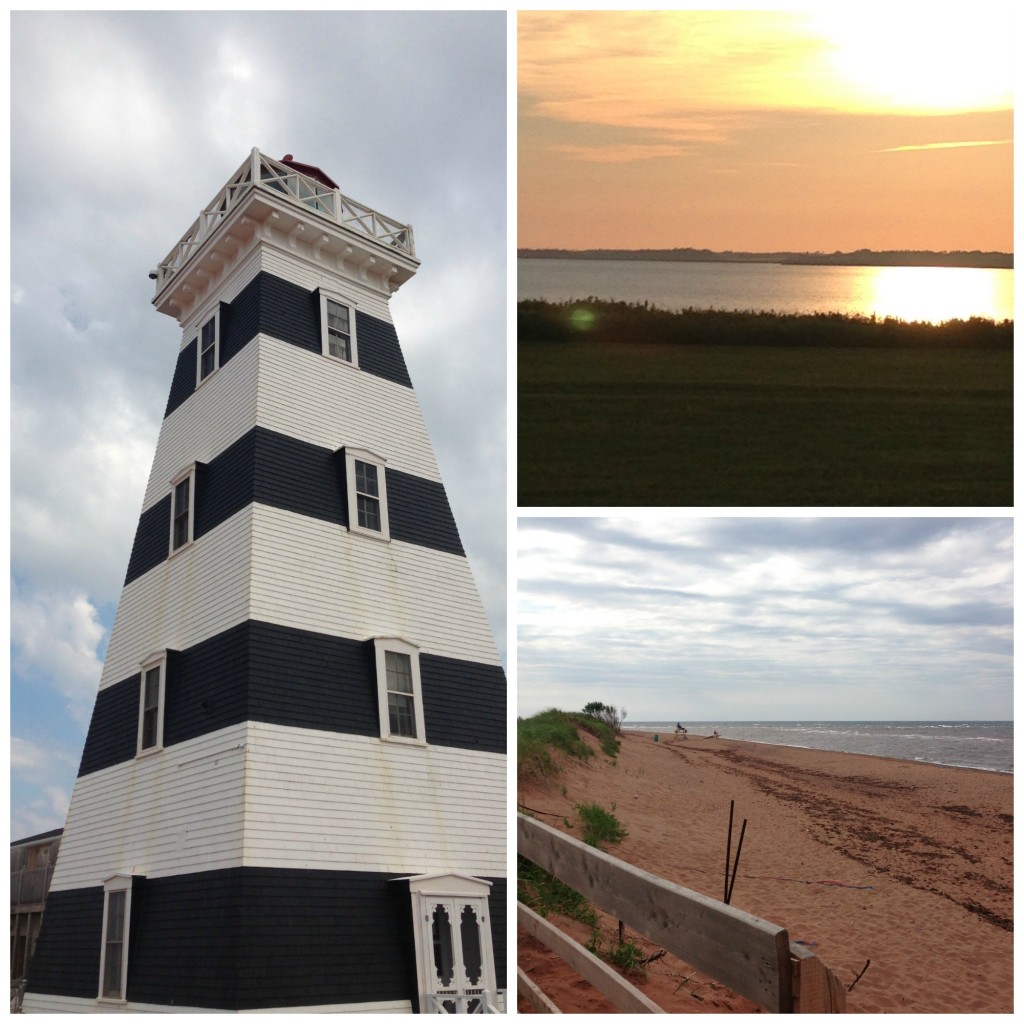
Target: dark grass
[{"x": 870, "y": 413}]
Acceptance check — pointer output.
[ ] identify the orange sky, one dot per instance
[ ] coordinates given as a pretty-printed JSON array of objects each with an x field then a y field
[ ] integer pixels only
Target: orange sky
[{"x": 766, "y": 130}]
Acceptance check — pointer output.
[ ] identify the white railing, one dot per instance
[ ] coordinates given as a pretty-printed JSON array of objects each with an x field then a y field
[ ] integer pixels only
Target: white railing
[{"x": 271, "y": 174}]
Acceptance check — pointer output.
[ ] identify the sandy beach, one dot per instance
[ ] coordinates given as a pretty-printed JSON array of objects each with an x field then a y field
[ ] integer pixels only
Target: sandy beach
[{"x": 905, "y": 864}]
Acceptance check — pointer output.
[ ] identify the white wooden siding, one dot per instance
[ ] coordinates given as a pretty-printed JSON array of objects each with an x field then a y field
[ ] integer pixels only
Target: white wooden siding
[
  {"x": 301, "y": 394},
  {"x": 316, "y": 575},
  {"x": 320, "y": 800},
  {"x": 217, "y": 414},
  {"x": 317, "y": 399},
  {"x": 200, "y": 592},
  {"x": 260, "y": 795},
  {"x": 168, "y": 813},
  {"x": 280, "y": 567},
  {"x": 309, "y": 275}
]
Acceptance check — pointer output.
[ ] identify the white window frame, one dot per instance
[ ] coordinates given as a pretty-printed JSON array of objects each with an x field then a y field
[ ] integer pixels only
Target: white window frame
[
  {"x": 325, "y": 347},
  {"x": 190, "y": 475},
  {"x": 352, "y": 456},
  {"x": 382, "y": 645},
  {"x": 116, "y": 883},
  {"x": 157, "y": 662},
  {"x": 214, "y": 316}
]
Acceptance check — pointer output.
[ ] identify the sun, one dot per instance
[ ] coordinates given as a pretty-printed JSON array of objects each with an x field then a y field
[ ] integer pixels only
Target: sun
[{"x": 900, "y": 59}]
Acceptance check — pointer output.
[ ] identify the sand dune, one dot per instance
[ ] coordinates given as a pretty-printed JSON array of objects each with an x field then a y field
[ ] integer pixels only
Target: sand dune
[{"x": 861, "y": 858}]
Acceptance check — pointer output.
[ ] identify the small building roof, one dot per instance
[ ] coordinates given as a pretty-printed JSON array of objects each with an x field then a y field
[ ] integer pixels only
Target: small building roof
[{"x": 38, "y": 838}]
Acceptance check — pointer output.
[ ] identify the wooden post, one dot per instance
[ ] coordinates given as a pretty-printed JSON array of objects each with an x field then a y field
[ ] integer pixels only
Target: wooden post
[{"x": 815, "y": 988}]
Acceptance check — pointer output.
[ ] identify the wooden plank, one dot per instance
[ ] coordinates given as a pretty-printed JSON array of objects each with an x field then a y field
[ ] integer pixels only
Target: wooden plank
[
  {"x": 625, "y": 996},
  {"x": 531, "y": 992},
  {"x": 815, "y": 988},
  {"x": 743, "y": 952}
]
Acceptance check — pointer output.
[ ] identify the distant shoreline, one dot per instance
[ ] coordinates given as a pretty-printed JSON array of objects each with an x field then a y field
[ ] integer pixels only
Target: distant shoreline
[{"x": 857, "y": 258}]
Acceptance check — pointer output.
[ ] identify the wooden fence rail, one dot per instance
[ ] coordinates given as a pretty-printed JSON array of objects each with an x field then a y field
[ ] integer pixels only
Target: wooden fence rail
[{"x": 750, "y": 956}]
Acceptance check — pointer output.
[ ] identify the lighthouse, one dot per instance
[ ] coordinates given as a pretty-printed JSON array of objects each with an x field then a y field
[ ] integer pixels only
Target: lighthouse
[{"x": 292, "y": 792}]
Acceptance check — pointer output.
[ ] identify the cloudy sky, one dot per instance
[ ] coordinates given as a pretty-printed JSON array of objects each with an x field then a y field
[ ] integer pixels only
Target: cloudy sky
[
  {"x": 738, "y": 619},
  {"x": 827, "y": 126},
  {"x": 123, "y": 127}
]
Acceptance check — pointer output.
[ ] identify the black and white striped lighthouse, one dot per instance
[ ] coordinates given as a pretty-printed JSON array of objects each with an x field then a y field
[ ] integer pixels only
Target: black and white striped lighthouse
[{"x": 293, "y": 790}]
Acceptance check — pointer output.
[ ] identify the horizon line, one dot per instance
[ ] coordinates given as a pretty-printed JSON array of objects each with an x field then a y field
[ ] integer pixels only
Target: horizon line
[{"x": 764, "y": 252}]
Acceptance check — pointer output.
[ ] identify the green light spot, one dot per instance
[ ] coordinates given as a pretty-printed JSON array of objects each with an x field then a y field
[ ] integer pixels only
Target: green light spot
[{"x": 582, "y": 319}]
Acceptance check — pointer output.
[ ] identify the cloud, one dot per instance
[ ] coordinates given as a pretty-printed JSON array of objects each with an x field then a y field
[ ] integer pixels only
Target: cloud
[
  {"x": 40, "y": 795},
  {"x": 946, "y": 145},
  {"x": 773, "y": 609},
  {"x": 55, "y": 642},
  {"x": 620, "y": 154}
]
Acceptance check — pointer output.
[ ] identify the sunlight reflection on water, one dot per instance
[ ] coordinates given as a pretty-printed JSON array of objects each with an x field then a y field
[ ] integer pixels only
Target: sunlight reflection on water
[
  {"x": 938, "y": 293},
  {"x": 908, "y": 293}
]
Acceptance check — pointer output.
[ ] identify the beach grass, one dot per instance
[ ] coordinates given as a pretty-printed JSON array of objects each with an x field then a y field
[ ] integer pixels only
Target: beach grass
[
  {"x": 700, "y": 408},
  {"x": 545, "y": 894},
  {"x": 539, "y": 736},
  {"x": 599, "y": 825},
  {"x": 543, "y": 733}
]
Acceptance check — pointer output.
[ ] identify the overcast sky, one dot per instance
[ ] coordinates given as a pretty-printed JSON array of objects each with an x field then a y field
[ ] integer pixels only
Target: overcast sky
[
  {"x": 778, "y": 618},
  {"x": 123, "y": 127}
]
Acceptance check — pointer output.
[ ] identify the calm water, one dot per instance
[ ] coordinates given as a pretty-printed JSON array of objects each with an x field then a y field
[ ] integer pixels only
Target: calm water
[
  {"x": 909, "y": 293},
  {"x": 985, "y": 745}
]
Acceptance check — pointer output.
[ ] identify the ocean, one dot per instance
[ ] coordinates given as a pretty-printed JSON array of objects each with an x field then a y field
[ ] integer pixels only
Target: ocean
[
  {"x": 907, "y": 293},
  {"x": 984, "y": 745}
]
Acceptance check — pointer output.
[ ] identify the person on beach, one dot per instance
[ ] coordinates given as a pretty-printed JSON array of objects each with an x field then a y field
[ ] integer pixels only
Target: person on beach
[
  {"x": 680, "y": 729},
  {"x": 714, "y": 735}
]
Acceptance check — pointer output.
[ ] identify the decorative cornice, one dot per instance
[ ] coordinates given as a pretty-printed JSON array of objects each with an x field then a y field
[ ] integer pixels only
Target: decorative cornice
[{"x": 298, "y": 217}]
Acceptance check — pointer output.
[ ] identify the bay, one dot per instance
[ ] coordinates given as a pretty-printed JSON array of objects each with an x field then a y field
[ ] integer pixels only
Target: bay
[
  {"x": 932, "y": 294},
  {"x": 983, "y": 745}
]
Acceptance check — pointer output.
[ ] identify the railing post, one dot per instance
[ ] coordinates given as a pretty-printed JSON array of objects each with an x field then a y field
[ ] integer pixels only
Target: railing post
[{"x": 255, "y": 165}]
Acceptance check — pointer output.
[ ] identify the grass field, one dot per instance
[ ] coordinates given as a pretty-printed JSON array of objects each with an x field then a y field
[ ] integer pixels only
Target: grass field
[{"x": 623, "y": 423}]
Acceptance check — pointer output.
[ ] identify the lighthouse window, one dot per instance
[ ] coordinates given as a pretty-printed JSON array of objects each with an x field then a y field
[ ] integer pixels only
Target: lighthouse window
[
  {"x": 398, "y": 689},
  {"x": 401, "y": 702},
  {"x": 337, "y": 328},
  {"x": 366, "y": 486},
  {"x": 208, "y": 344},
  {"x": 182, "y": 510},
  {"x": 151, "y": 706},
  {"x": 114, "y": 951},
  {"x": 339, "y": 334},
  {"x": 367, "y": 496}
]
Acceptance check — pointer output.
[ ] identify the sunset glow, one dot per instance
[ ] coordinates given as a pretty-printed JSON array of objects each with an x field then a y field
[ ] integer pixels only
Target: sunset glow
[
  {"x": 947, "y": 63},
  {"x": 825, "y": 128}
]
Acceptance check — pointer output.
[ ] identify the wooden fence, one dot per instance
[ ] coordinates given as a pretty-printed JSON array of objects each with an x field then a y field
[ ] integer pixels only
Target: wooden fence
[{"x": 748, "y": 955}]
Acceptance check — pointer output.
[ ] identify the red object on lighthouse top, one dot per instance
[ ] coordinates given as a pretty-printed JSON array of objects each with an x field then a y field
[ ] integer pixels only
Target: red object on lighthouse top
[{"x": 309, "y": 170}]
